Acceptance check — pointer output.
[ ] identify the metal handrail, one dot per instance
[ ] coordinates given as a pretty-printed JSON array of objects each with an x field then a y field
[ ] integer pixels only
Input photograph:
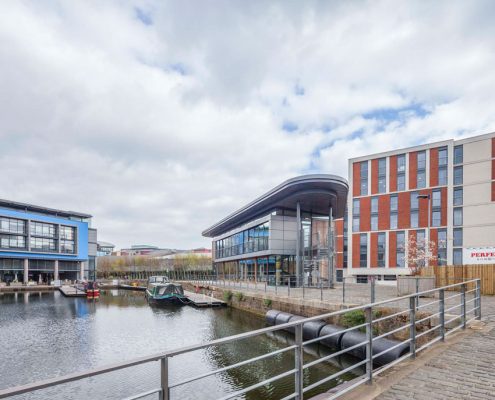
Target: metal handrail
[{"x": 298, "y": 347}]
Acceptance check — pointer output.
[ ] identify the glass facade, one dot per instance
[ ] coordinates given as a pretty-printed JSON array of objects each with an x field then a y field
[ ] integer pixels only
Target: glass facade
[
  {"x": 67, "y": 239},
  {"x": 12, "y": 225},
  {"x": 43, "y": 244},
  {"x": 247, "y": 241},
  {"x": 42, "y": 229}
]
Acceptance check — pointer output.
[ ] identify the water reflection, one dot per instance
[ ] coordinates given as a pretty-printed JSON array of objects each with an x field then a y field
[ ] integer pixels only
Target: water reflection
[{"x": 46, "y": 335}]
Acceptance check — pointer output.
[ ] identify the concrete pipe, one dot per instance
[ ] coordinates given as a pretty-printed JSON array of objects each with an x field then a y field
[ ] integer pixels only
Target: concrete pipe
[
  {"x": 311, "y": 329},
  {"x": 334, "y": 341},
  {"x": 271, "y": 316}
]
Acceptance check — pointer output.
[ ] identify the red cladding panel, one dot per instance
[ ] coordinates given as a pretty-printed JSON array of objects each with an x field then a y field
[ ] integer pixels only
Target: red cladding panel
[
  {"x": 365, "y": 219},
  {"x": 339, "y": 260},
  {"x": 413, "y": 169},
  {"x": 373, "y": 249},
  {"x": 374, "y": 176},
  {"x": 356, "y": 179},
  {"x": 444, "y": 206},
  {"x": 393, "y": 174},
  {"x": 355, "y": 250},
  {"x": 404, "y": 217},
  {"x": 392, "y": 247},
  {"x": 423, "y": 209},
  {"x": 434, "y": 167},
  {"x": 384, "y": 212}
]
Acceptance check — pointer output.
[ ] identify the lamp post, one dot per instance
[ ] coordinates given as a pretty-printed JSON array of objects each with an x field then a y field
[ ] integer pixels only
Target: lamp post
[{"x": 427, "y": 241}]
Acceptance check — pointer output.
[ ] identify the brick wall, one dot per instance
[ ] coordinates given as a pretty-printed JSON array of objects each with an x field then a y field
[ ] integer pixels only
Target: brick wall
[
  {"x": 384, "y": 212},
  {"x": 373, "y": 249},
  {"x": 404, "y": 217},
  {"x": 392, "y": 247},
  {"x": 413, "y": 169},
  {"x": 355, "y": 250},
  {"x": 374, "y": 176},
  {"x": 356, "y": 179},
  {"x": 434, "y": 167},
  {"x": 365, "y": 211},
  {"x": 393, "y": 174}
]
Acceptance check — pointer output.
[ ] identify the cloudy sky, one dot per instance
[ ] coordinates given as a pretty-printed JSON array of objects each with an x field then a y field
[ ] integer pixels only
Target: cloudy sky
[{"x": 159, "y": 118}]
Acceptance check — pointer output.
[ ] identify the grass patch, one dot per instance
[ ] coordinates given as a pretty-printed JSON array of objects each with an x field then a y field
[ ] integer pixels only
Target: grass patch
[
  {"x": 239, "y": 296},
  {"x": 357, "y": 317},
  {"x": 227, "y": 296},
  {"x": 267, "y": 303}
]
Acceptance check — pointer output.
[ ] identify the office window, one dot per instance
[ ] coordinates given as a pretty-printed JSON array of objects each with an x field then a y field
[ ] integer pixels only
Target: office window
[
  {"x": 12, "y": 242},
  {"x": 436, "y": 218},
  {"x": 458, "y": 175},
  {"x": 414, "y": 219},
  {"x": 12, "y": 225},
  {"x": 364, "y": 178},
  {"x": 363, "y": 250},
  {"x": 401, "y": 172},
  {"x": 355, "y": 224},
  {"x": 374, "y": 204},
  {"x": 42, "y": 229},
  {"x": 457, "y": 237},
  {"x": 43, "y": 244},
  {"x": 442, "y": 156},
  {"x": 457, "y": 257},
  {"x": 374, "y": 222},
  {"x": 381, "y": 249},
  {"x": 67, "y": 232},
  {"x": 442, "y": 247},
  {"x": 356, "y": 209},
  {"x": 356, "y": 206},
  {"x": 393, "y": 211},
  {"x": 436, "y": 198},
  {"x": 382, "y": 175},
  {"x": 458, "y": 155},
  {"x": 458, "y": 216},
  {"x": 414, "y": 201},
  {"x": 401, "y": 248},
  {"x": 458, "y": 196},
  {"x": 421, "y": 170}
]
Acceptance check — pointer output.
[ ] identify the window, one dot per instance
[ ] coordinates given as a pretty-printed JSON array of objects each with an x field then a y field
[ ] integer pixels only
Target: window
[
  {"x": 363, "y": 250},
  {"x": 414, "y": 219},
  {"x": 42, "y": 229},
  {"x": 374, "y": 213},
  {"x": 414, "y": 201},
  {"x": 11, "y": 225},
  {"x": 356, "y": 205},
  {"x": 401, "y": 248},
  {"x": 442, "y": 166},
  {"x": 442, "y": 247},
  {"x": 421, "y": 171},
  {"x": 67, "y": 232},
  {"x": 247, "y": 241},
  {"x": 12, "y": 242},
  {"x": 364, "y": 178},
  {"x": 458, "y": 175},
  {"x": 436, "y": 219},
  {"x": 43, "y": 244},
  {"x": 458, "y": 155},
  {"x": 457, "y": 237},
  {"x": 382, "y": 175},
  {"x": 442, "y": 176},
  {"x": 381, "y": 249},
  {"x": 436, "y": 200},
  {"x": 458, "y": 196},
  {"x": 394, "y": 205},
  {"x": 401, "y": 172},
  {"x": 420, "y": 239},
  {"x": 458, "y": 216},
  {"x": 457, "y": 256},
  {"x": 442, "y": 157},
  {"x": 67, "y": 239},
  {"x": 356, "y": 209}
]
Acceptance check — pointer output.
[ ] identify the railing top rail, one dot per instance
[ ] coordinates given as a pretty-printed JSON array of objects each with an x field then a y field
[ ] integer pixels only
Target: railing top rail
[{"x": 171, "y": 353}]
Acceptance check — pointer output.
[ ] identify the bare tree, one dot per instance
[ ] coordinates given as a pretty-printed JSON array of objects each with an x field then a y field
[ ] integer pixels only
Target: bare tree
[{"x": 419, "y": 254}]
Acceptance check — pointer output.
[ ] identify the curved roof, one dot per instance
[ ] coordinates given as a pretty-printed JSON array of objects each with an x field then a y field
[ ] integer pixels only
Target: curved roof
[
  {"x": 105, "y": 244},
  {"x": 315, "y": 193}
]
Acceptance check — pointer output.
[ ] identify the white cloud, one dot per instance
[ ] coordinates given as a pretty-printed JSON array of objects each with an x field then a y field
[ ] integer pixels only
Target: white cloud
[{"x": 161, "y": 129}]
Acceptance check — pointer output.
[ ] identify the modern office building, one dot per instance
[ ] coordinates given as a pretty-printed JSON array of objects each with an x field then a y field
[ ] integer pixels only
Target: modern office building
[
  {"x": 284, "y": 233},
  {"x": 104, "y": 249},
  {"x": 41, "y": 244},
  {"x": 442, "y": 192},
  {"x": 139, "y": 250}
]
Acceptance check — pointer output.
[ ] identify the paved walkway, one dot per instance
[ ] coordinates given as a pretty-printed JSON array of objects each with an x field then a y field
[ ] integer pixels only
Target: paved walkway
[{"x": 460, "y": 368}]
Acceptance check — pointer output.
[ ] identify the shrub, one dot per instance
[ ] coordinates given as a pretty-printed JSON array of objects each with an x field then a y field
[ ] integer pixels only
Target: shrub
[
  {"x": 239, "y": 296},
  {"x": 267, "y": 303},
  {"x": 357, "y": 317},
  {"x": 227, "y": 296}
]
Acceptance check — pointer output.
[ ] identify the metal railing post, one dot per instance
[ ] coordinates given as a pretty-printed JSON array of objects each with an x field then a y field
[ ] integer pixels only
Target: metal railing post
[
  {"x": 343, "y": 290},
  {"x": 417, "y": 291},
  {"x": 412, "y": 326},
  {"x": 288, "y": 287},
  {"x": 321, "y": 291},
  {"x": 299, "y": 361},
  {"x": 265, "y": 286},
  {"x": 303, "y": 289},
  {"x": 164, "y": 395},
  {"x": 442, "y": 314},
  {"x": 463, "y": 305},
  {"x": 372, "y": 290},
  {"x": 369, "y": 344},
  {"x": 478, "y": 299}
]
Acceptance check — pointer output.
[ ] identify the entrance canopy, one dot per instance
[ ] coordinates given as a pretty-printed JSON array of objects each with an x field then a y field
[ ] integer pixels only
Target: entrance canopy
[{"x": 315, "y": 194}]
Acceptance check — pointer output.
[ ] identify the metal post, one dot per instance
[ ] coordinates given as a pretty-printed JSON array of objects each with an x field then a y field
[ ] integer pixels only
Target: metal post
[
  {"x": 372, "y": 289},
  {"x": 164, "y": 395},
  {"x": 369, "y": 344},
  {"x": 442, "y": 314},
  {"x": 298, "y": 247},
  {"x": 321, "y": 291},
  {"x": 265, "y": 286},
  {"x": 412, "y": 326},
  {"x": 463, "y": 306},
  {"x": 343, "y": 290},
  {"x": 477, "y": 303},
  {"x": 330, "y": 249},
  {"x": 303, "y": 289},
  {"x": 299, "y": 362},
  {"x": 417, "y": 291},
  {"x": 288, "y": 287}
]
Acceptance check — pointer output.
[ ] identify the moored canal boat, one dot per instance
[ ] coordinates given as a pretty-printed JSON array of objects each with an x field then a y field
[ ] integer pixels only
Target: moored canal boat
[{"x": 161, "y": 291}]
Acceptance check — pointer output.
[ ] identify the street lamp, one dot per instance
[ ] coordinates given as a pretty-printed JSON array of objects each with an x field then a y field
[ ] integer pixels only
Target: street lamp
[{"x": 427, "y": 242}]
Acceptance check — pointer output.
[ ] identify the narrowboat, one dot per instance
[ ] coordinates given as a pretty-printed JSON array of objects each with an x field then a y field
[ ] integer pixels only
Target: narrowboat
[{"x": 160, "y": 291}]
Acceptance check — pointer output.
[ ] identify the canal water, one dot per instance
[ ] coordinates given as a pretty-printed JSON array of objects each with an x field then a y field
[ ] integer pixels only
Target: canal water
[{"x": 44, "y": 335}]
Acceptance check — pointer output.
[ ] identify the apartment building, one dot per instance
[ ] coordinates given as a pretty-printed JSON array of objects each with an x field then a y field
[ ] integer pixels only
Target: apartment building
[{"x": 442, "y": 192}]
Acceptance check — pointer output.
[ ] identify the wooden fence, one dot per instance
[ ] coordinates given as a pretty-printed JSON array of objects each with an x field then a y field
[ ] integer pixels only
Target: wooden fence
[{"x": 448, "y": 275}]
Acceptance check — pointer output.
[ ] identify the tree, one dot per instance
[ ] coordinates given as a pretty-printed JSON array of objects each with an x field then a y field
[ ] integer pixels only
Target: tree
[{"x": 419, "y": 254}]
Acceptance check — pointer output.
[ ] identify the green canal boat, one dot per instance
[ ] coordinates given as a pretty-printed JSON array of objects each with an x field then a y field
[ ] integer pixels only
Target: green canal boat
[{"x": 161, "y": 291}]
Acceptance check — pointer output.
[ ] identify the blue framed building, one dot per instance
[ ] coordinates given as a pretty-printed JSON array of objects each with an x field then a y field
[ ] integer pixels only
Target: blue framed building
[{"x": 42, "y": 244}]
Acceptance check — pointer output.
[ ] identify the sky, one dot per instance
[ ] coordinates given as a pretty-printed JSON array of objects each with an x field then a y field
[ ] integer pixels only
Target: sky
[{"x": 161, "y": 117}]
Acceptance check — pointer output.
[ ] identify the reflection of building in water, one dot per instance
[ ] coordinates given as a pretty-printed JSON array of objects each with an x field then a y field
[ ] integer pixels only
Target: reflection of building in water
[
  {"x": 40, "y": 244},
  {"x": 283, "y": 235}
]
